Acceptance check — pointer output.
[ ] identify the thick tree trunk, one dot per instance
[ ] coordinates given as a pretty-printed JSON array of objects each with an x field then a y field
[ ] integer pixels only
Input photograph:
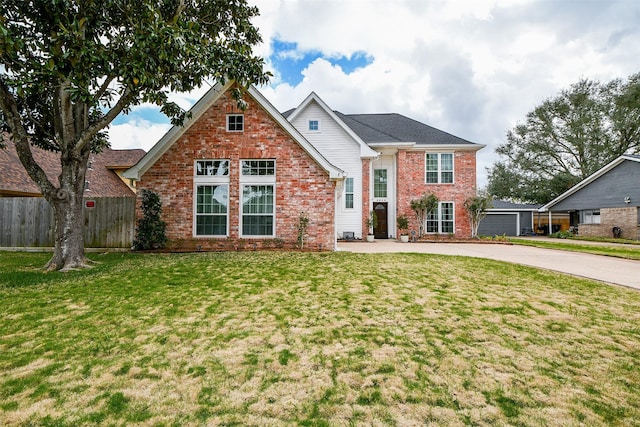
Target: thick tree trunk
[
  {"x": 69, "y": 240},
  {"x": 67, "y": 204}
]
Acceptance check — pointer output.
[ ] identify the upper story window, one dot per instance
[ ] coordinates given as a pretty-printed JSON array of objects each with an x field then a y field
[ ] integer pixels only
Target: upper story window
[
  {"x": 314, "y": 125},
  {"x": 379, "y": 183},
  {"x": 439, "y": 168},
  {"x": 348, "y": 193},
  {"x": 235, "y": 123}
]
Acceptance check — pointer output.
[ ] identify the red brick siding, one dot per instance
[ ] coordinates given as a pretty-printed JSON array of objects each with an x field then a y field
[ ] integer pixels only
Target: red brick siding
[
  {"x": 411, "y": 185},
  {"x": 366, "y": 204},
  {"x": 301, "y": 184}
]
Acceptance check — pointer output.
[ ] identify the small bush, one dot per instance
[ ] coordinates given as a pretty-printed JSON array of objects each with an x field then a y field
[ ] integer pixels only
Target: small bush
[{"x": 150, "y": 233}]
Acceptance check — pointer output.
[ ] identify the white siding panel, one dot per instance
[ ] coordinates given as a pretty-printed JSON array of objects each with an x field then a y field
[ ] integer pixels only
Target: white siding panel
[{"x": 342, "y": 151}]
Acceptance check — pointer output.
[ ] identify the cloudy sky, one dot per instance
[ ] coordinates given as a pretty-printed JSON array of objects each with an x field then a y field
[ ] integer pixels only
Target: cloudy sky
[{"x": 472, "y": 68}]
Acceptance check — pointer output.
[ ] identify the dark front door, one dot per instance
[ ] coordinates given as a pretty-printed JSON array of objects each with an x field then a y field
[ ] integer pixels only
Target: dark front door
[{"x": 381, "y": 231}]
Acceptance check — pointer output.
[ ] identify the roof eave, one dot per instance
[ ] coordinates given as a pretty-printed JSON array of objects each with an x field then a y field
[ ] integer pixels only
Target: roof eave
[{"x": 588, "y": 180}]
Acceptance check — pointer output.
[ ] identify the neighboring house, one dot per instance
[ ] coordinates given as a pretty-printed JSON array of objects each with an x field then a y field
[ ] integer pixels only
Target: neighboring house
[
  {"x": 229, "y": 178},
  {"x": 104, "y": 174},
  {"x": 390, "y": 160},
  {"x": 27, "y": 220},
  {"x": 510, "y": 219},
  {"x": 608, "y": 199}
]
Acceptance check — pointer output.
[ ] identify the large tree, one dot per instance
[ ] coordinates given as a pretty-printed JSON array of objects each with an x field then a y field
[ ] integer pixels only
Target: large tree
[
  {"x": 69, "y": 67},
  {"x": 566, "y": 139}
]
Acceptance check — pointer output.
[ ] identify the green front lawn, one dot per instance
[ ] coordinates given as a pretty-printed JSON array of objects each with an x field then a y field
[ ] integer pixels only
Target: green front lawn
[
  {"x": 628, "y": 251},
  {"x": 313, "y": 339}
]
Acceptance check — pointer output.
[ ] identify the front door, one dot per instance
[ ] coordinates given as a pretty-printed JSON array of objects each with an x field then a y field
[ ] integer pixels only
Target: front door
[{"x": 380, "y": 230}]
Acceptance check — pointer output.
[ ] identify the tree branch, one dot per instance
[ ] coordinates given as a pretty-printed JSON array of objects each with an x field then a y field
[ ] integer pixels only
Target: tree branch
[
  {"x": 88, "y": 134},
  {"x": 20, "y": 137}
]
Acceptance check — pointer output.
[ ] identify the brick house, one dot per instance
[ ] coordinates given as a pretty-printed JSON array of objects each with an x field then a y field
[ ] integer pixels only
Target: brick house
[
  {"x": 231, "y": 178},
  {"x": 390, "y": 160}
]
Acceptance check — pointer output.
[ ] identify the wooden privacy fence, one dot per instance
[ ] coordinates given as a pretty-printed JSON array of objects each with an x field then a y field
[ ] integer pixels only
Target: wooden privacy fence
[{"x": 29, "y": 222}]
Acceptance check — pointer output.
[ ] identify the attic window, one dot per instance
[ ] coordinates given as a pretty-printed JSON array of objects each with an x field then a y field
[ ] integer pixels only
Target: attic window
[
  {"x": 314, "y": 125},
  {"x": 235, "y": 123}
]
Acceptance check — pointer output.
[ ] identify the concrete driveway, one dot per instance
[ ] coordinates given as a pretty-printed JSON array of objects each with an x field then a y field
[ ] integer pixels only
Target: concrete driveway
[{"x": 616, "y": 271}]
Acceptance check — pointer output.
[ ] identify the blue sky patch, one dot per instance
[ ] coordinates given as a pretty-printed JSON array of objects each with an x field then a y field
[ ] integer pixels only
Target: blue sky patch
[
  {"x": 151, "y": 114},
  {"x": 289, "y": 61}
]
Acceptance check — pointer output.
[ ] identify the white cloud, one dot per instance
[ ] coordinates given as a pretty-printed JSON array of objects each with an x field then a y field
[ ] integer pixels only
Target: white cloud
[
  {"x": 473, "y": 68},
  {"x": 136, "y": 133}
]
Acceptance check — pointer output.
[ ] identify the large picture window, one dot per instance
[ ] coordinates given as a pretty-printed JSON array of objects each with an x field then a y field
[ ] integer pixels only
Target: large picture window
[
  {"x": 211, "y": 180},
  {"x": 258, "y": 197},
  {"x": 439, "y": 168},
  {"x": 442, "y": 220},
  {"x": 211, "y": 210}
]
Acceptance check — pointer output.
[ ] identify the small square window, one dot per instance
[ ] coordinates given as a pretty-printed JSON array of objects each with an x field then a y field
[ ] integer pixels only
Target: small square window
[
  {"x": 235, "y": 123},
  {"x": 314, "y": 125}
]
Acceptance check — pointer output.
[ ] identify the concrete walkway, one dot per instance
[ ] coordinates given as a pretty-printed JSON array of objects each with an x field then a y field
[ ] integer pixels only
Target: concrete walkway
[{"x": 616, "y": 271}]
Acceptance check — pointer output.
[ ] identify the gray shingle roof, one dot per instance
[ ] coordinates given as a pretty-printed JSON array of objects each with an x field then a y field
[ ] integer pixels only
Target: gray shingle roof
[{"x": 393, "y": 127}]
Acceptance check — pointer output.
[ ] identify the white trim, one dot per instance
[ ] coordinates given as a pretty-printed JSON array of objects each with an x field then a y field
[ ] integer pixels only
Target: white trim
[
  {"x": 439, "y": 170},
  {"x": 318, "y": 130},
  {"x": 257, "y": 180},
  {"x": 229, "y": 115}
]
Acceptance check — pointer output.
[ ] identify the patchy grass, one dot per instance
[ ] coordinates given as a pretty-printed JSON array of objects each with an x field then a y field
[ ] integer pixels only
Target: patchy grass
[
  {"x": 313, "y": 339},
  {"x": 631, "y": 251}
]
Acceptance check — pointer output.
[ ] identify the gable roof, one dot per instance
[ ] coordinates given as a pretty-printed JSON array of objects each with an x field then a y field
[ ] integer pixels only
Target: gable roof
[
  {"x": 365, "y": 150},
  {"x": 392, "y": 129},
  {"x": 102, "y": 178},
  {"x": 588, "y": 180},
  {"x": 203, "y": 105}
]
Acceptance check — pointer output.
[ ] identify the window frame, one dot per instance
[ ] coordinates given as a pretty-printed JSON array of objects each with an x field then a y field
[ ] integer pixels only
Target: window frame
[
  {"x": 588, "y": 216},
  {"x": 376, "y": 184},
  {"x": 228, "y": 125},
  {"x": 439, "y": 171},
  {"x": 317, "y": 125},
  {"x": 202, "y": 180},
  {"x": 264, "y": 176},
  {"x": 437, "y": 219},
  {"x": 349, "y": 192}
]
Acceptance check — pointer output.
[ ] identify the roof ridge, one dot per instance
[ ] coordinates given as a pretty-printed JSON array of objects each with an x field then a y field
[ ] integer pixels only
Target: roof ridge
[{"x": 393, "y": 138}]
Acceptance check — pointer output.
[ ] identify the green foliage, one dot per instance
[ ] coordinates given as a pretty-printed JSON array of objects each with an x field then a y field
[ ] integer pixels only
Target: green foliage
[
  {"x": 68, "y": 68},
  {"x": 150, "y": 233},
  {"x": 403, "y": 223},
  {"x": 422, "y": 207},
  {"x": 567, "y": 138},
  {"x": 476, "y": 208},
  {"x": 372, "y": 221}
]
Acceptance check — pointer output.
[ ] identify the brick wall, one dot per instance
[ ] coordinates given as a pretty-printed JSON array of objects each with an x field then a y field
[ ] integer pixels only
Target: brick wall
[
  {"x": 411, "y": 185},
  {"x": 626, "y": 218},
  {"x": 301, "y": 184},
  {"x": 366, "y": 204}
]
